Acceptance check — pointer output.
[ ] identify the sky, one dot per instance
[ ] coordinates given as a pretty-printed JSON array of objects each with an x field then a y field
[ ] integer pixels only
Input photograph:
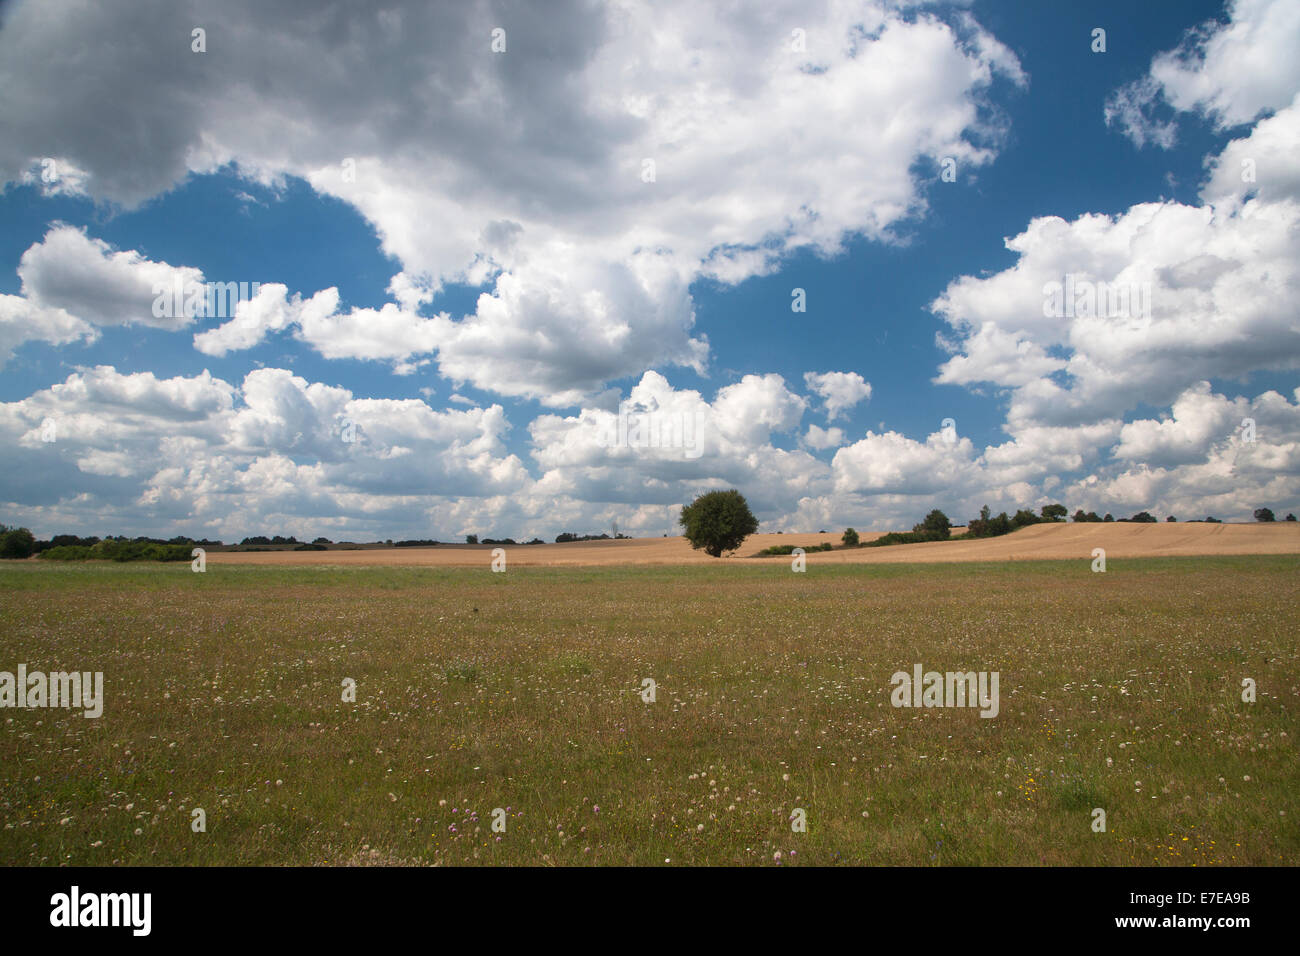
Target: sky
[{"x": 507, "y": 269}]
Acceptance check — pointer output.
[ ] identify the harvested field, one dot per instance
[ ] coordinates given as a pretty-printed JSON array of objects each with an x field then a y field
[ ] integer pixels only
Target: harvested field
[{"x": 1036, "y": 543}]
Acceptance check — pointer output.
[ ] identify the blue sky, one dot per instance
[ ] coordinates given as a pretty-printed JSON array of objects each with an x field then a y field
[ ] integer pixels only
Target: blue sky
[{"x": 510, "y": 185}]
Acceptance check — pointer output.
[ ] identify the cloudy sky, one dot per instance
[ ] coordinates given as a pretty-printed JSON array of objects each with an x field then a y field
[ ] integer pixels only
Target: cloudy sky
[{"x": 856, "y": 259}]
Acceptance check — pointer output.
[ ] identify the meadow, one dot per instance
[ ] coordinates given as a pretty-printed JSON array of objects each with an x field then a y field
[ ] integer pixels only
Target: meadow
[{"x": 523, "y": 691}]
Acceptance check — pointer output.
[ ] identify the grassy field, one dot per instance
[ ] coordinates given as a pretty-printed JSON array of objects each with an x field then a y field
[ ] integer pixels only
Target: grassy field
[{"x": 521, "y": 691}]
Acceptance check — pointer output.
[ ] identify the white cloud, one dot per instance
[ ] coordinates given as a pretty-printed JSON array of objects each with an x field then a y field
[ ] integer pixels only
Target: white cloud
[
  {"x": 524, "y": 170},
  {"x": 21, "y": 321},
  {"x": 1232, "y": 73},
  {"x": 86, "y": 278},
  {"x": 839, "y": 391},
  {"x": 819, "y": 439},
  {"x": 1219, "y": 286},
  {"x": 269, "y": 310},
  {"x": 196, "y": 452},
  {"x": 894, "y": 464},
  {"x": 1262, "y": 163}
]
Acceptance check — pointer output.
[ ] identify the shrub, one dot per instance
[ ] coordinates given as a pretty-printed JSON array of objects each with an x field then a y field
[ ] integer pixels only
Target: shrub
[
  {"x": 67, "y": 552},
  {"x": 787, "y": 549},
  {"x": 116, "y": 550},
  {"x": 905, "y": 537}
]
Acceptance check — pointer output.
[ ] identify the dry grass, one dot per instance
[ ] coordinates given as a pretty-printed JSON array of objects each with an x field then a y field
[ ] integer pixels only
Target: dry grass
[{"x": 520, "y": 691}]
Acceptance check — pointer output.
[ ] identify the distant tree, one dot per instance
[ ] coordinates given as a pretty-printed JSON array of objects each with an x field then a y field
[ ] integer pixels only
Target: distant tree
[
  {"x": 718, "y": 521},
  {"x": 1264, "y": 514},
  {"x": 1210, "y": 520},
  {"x": 1109, "y": 517},
  {"x": 1290, "y": 517},
  {"x": 322, "y": 541},
  {"x": 1024, "y": 517},
  {"x": 850, "y": 538},
  {"x": 1143, "y": 517},
  {"x": 937, "y": 523},
  {"x": 1054, "y": 512},
  {"x": 471, "y": 539},
  {"x": 1171, "y": 518},
  {"x": 16, "y": 543}
]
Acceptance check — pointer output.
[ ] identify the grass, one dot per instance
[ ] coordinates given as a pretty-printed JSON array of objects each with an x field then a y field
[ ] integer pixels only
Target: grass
[{"x": 522, "y": 691}]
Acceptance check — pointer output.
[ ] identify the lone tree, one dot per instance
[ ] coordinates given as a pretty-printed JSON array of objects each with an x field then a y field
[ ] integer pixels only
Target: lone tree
[
  {"x": 718, "y": 521},
  {"x": 850, "y": 538},
  {"x": 1264, "y": 514}
]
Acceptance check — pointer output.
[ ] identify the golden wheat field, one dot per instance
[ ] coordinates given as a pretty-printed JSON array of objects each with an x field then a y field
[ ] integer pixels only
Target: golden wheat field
[{"x": 1035, "y": 543}]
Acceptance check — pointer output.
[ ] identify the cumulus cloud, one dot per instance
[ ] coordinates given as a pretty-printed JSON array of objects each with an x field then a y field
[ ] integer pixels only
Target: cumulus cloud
[
  {"x": 1230, "y": 72},
  {"x": 819, "y": 439},
  {"x": 527, "y": 171},
  {"x": 72, "y": 284},
  {"x": 1261, "y": 164},
  {"x": 85, "y": 277},
  {"x": 581, "y": 182},
  {"x": 1218, "y": 287},
  {"x": 22, "y": 320},
  {"x": 839, "y": 391},
  {"x": 197, "y": 452}
]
